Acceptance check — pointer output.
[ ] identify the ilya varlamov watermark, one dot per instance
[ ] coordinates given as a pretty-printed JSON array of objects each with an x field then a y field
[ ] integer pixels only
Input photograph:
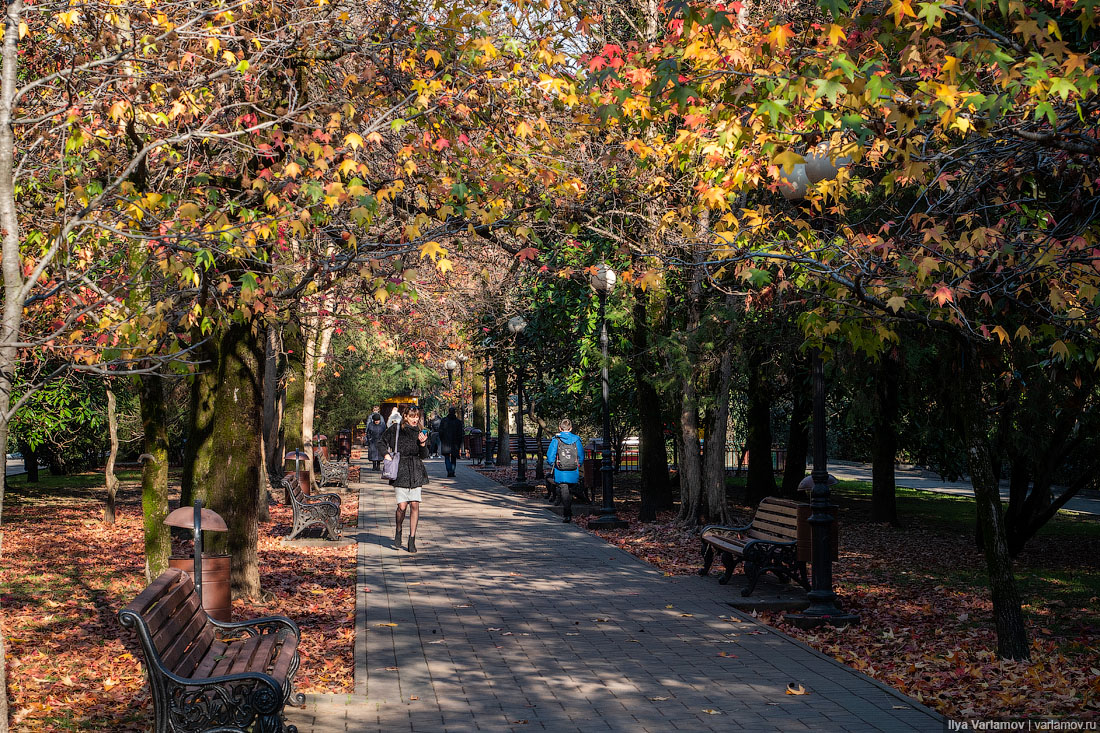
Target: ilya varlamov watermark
[{"x": 1026, "y": 724}]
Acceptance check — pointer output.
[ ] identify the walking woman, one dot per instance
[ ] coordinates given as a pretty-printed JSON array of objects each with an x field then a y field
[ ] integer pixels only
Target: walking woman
[
  {"x": 375, "y": 449},
  {"x": 412, "y": 443}
]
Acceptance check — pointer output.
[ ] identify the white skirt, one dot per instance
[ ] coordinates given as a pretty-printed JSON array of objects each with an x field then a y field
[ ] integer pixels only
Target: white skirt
[{"x": 406, "y": 495}]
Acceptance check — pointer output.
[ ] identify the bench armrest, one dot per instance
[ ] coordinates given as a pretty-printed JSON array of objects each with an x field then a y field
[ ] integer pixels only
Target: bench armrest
[
  {"x": 258, "y": 626},
  {"x": 770, "y": 543},
  {"x": 253, "y": 693}
]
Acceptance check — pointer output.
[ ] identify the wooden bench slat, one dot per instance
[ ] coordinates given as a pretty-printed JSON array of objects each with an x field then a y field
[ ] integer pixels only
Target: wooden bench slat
[
  {"x": 170, "y": 605},
  {"x": 287, "y": 652},
  {"x": 187, "y": 636},
  {"x": 152, "y": 594},
  {"x": 186, "y": 666},
  {"x": 181, "y": 617},
  {"x": 212, "y": 657}
]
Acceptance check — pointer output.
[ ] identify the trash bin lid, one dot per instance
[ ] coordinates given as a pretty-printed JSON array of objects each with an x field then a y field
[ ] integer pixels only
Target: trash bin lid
[
  {"x": 185, "y": 517},
  {"x": 295, "y": 454}
]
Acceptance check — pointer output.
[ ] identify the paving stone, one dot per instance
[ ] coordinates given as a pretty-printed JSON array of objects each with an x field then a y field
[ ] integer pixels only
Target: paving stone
[{"x": 506, "y": 615}]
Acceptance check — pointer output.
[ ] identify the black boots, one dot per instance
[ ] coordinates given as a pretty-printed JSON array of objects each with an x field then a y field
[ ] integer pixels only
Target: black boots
[
  {"x": 412, "y": 543},
  {"x": 397, "y": 538}
]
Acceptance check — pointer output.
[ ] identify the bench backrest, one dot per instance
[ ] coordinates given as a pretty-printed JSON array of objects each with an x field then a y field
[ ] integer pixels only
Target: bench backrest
[
  {"x": 787, "y": 520},
  {"x": 170, "y": 621}
]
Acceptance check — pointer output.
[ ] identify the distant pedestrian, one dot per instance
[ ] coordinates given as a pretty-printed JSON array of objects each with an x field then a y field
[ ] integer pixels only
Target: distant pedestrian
[
  {"x": 451, "y": 432},
  {"x": 433, "y": 436},
  {"x": 375, "y": 449},
  {"x": 565, "y": 455},
  {"x": 411, "y": 440}
]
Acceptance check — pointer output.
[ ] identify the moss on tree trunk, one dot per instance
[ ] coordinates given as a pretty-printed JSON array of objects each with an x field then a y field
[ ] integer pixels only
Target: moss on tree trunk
[
  {"x": 225, "y": 446},
  {"x": 154, "y": 475}
]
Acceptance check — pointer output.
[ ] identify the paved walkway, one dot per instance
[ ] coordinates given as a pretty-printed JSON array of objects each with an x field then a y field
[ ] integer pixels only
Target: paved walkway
[{"x": 509, "y": 620}]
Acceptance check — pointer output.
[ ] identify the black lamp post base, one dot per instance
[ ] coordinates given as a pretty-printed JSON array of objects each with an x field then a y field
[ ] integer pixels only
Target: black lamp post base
[
  {"x": 608, "y": 521},
  {"x": 806, "y": 620}
]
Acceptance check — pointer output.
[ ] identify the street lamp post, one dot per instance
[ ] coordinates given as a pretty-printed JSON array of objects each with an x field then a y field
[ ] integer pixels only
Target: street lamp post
[
  {"x": 603, "y": 280},
  {"x": 517, "y": 324},
  {"x": 488, "y": 403},
  {"x": 450, "y": 365},
  {"x": 461, "y": 359}
]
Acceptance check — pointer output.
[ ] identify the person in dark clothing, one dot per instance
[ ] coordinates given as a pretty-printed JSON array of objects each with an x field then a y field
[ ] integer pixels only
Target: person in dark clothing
[
  {"x": 375, "y": 450},
  {"x": 451, "y": 431},
  {"x": 433, "y": 436},
  {"x": 412, "y": 443}
]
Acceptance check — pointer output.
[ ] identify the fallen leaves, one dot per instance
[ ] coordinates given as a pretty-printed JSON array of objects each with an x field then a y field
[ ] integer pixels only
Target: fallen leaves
[
  {"x": 794, "y": 688},
  {"x": 81, "y": 669}
]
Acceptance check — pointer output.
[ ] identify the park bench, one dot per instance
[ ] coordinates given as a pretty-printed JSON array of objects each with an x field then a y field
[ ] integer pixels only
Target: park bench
[
  {"x": 318, "y": 510},
  {"x": 334, "y": 473},
  {"x": 777, "y": 540},
  {"x": 207, "y": 675}
]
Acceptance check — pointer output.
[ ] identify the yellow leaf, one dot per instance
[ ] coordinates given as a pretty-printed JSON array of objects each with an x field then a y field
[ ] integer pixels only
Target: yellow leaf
[
  {"x": 381, "y": 295},
  {"x": 1002, "y": 334},
  {"x": 1060, "y": 349},
  {"x": 779, "y": 35},
  {"x": 434, "y": 57},
  {"x": 353, "y": 140},
  {"x": 896, "y": 303},
  {"x": 1023, "y": 333},
  {"x": 375, "y": 138},
  {"x": 523, "y": 129},
  {"x": 788, "y": 159},
  {"x": 291, "y": 170},
  {"x": 836, "y": 35},
  {"x": 794, "y": 688},
  {"x": 433, "y": 250},
  {"x": 189, "y": 211},
  {"x": 444, "y": 265},
  {"x": 22, "y": 30}
]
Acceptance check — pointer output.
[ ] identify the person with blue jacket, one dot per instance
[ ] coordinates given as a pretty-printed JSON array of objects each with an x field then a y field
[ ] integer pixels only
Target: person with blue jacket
[{"x": 566, "y": 454}]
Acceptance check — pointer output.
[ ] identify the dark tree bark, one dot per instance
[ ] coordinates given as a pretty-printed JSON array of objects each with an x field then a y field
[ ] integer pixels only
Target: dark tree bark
[
  {"x": 225, "y": 451},
  {"x": 30, "y": 461},
  {"x": 477, "y": 395},
  {"x": 714, "y": 459},
  {"x": 656, "y": 492},
  {"x": 884, "y": 447},
  {"x": 760, "y": 482},
  {"x": 504, "y": 454},
  {"x": 798, "y": 443},
  {"x": 154, "y": 475},
  {"x": 1008, "y": 616},
  {"x": 273, "y": 401}
]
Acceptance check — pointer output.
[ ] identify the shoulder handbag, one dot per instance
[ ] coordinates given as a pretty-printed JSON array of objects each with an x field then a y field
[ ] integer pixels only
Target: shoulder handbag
[{"x": 389, "y": 465}]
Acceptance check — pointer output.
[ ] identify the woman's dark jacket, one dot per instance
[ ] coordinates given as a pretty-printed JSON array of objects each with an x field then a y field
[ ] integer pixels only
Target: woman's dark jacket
[
  {"x": 411, "y": 472},
  {"x": 375, "y": 451}
]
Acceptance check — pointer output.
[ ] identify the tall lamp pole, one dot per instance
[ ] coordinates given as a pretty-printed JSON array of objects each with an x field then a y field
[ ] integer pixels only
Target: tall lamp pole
[
  {"x": 603, "y": 280},
  {"x": 517, "y": 324},
  {"x": 461, "y": 359},
  {"x": 485, "y": 460}
]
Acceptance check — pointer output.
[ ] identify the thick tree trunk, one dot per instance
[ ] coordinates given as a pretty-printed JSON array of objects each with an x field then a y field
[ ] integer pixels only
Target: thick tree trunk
[
  {"x": 760, "y": 482},
  {"x": 504, "y": 454},
  {"x": 798, "y": 443},
  {"x": 109, "y": 473},
  {"x": 225, "y": 447},
  {"x": 656, "y": 492},
  {"x": 292, "y": 409},
  {"x": 691, "y": 468},
  {"x": 154, "y": 475},
  {"x": 884, "y": 446},
  {"x": 714, "y": 460},
  {"x": 273, "y": 413}
]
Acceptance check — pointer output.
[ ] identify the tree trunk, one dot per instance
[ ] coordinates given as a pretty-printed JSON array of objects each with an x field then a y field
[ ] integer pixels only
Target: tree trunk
[
  {"x": 884, "y": 445},
  {"x": 225, "y": 447},
  {"x": 109, "y": 473},
  {"x": 11, "y": 264},
  {"x": 154, "y": 475},
  {"x": 656, "y": 492},
  {"x": 714, "y": 460},
  {"x": 30, "y": 462},
  {"x": 504, "y": 454},
  {"x": 691, "y": 473},
  {"x": 798, "y": 443},
  {"x": 273, "y": 414},
  {"x": 760, "y": 482},
  {"x": 477, "y": 395}
]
